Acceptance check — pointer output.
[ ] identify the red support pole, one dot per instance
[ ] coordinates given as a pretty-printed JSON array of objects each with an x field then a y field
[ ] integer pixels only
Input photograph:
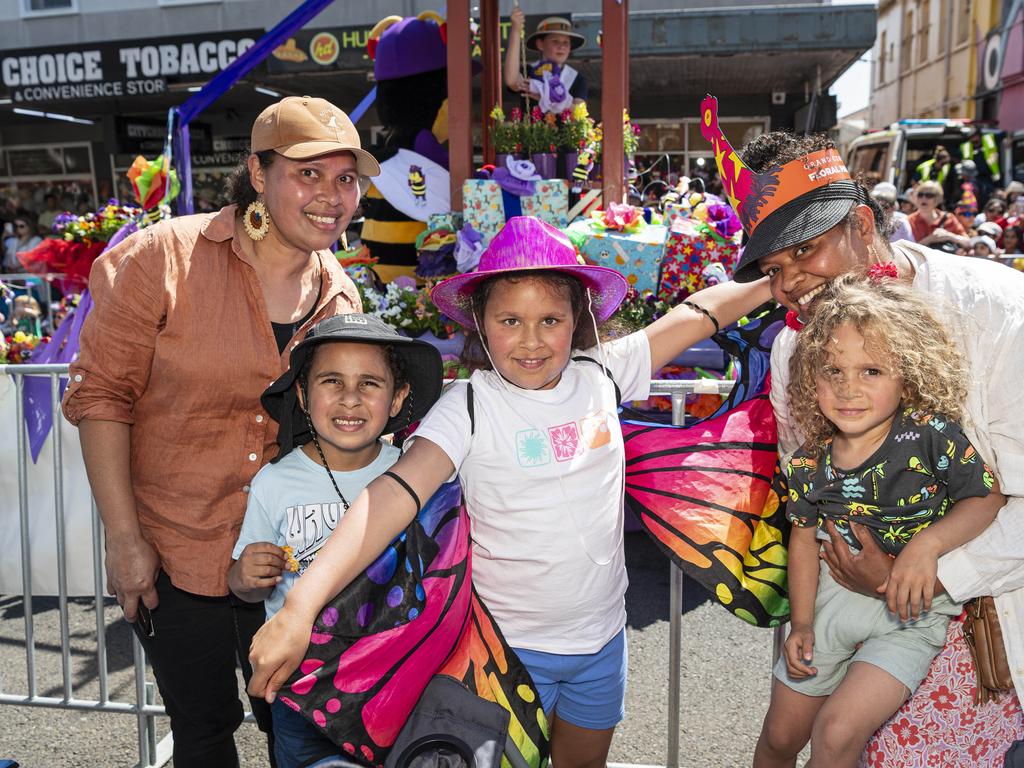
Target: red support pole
[
  {"x": 490, "y": 89},
  {"x": 460, "y": 108},
  {"x": 614, "y": 95}
]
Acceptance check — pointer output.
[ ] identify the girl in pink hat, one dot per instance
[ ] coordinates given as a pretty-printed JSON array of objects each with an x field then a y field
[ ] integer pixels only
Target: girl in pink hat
[{"x": 535, "y": 440}]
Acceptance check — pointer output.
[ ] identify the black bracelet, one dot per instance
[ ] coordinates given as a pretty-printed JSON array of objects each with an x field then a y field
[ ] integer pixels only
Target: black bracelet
[
  {"x": 699, "y": 308},
  {"x": 405, "y": 485}
]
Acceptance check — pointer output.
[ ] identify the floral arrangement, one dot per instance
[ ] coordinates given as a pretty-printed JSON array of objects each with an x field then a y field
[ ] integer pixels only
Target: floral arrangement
[
  {"x": 95, "y": 227},
  {"x": 640, "y": 309},
  {"x": 508, "y": 132},
  {"x": 19, "y": 346},
  {"x": 406, "y": 308},
  {"x": 577, "y": 128},
  {"x": 541, "y": 132}
]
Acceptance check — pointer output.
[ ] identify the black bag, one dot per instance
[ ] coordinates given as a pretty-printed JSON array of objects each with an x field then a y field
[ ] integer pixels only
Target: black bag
[
  {"x": 1014, "y": 755},
  {"x": 453, "y": 728}
]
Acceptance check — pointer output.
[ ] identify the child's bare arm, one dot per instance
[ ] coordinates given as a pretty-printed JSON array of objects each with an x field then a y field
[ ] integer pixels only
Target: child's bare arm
[
  {"x": 377, "y": 515},
  {"x": 911, "y": 584},
  {"x": 512, "y": 63},
  {"x": 802, "y": 577},
  {"x": 684, "y": 326}
]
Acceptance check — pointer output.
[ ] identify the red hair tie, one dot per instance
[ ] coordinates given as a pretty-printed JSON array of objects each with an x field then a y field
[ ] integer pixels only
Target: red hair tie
[{"x": 878, "y": 272}]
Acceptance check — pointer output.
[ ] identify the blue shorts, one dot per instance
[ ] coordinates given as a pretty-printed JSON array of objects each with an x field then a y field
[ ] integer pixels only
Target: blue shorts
[{"x": 587, "y": 690}]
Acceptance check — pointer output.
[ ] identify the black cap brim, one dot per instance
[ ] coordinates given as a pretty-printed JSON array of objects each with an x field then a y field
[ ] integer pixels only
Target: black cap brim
[
  {"x": 423, "y": 371},
  {"x": 798, "y": 221}
]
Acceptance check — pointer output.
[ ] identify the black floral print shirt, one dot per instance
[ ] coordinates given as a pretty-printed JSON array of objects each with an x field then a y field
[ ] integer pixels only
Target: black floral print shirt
[{"x": 925, "y": 465}]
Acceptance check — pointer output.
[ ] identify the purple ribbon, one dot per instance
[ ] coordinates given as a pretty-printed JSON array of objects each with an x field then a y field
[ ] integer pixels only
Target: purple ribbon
[
  {"x": 38, "y": 396},
  {"x": 517, "y": 177}
]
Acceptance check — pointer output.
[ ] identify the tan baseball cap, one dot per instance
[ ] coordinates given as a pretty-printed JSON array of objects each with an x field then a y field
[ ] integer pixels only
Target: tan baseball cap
[{"x": 301, "y": 127}]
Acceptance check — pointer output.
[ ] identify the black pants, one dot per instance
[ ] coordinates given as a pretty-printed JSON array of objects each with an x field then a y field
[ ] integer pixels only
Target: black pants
[{"x": 197, "y": 643}]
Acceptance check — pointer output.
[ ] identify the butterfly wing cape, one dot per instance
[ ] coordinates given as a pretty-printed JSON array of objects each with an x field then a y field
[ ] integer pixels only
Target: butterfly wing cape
[
  {"x": 411, "y": 615},
  {"x": 711, "y": 494}
]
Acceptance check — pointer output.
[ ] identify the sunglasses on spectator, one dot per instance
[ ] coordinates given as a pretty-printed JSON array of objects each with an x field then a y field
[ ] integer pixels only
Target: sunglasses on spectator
[
  {"x": 926, "y": 195},
  {"x": 21, "y": 226}
]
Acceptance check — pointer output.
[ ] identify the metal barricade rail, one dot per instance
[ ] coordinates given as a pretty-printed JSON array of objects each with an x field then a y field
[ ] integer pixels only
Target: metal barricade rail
[{"x": 151, "y": 752}]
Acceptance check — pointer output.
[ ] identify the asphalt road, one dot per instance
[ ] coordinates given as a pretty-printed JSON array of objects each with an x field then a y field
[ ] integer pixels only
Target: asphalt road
[{"x": 725, "y": 674}]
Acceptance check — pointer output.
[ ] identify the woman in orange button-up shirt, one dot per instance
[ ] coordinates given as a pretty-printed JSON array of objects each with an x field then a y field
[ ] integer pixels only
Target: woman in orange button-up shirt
[{"x": 192, "y": 319}]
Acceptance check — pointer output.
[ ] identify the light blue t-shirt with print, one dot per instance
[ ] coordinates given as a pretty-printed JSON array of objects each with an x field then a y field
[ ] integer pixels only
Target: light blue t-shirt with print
[{"x": 293, "y": 503}]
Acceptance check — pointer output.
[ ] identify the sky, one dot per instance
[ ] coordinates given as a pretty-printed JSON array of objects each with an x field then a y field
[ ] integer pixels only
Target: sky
[{"x": 852, "y": 90}]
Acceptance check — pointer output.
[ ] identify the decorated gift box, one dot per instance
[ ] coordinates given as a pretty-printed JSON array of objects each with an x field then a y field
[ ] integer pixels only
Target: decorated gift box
[
  {"x": 515, "y": 190},
  {"x": 697, "y": 254},
  {"x": 620, "y": 238}
]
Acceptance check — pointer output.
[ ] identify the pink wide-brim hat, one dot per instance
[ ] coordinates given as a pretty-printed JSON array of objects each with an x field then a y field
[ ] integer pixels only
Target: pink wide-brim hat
[{"x": 526, "y": 243}]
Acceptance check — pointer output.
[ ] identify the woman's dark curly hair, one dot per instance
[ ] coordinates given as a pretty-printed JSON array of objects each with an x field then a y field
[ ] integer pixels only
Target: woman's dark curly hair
[
  {"x": 780, "y": 147},
  {"x": 473, "y": 355},
  {"x": 239, "y": 183}
]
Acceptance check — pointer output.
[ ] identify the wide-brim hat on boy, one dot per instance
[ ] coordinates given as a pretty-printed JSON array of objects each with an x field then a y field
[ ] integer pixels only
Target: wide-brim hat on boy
[
  {"x": 556, "y": 25},
  {"x": 421, "y": 361},
  {"x": 302, "y": 127},
  {"x": 785, "y": 205},
  {"x": 526, "y": 243}
]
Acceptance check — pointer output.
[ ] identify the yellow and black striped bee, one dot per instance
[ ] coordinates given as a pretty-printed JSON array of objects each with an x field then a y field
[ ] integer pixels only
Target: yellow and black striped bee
[{"x": 418, "y": 184}]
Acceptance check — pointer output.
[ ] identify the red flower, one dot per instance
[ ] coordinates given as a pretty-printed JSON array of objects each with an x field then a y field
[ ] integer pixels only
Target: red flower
[
  {"x": 536, "y": 115},
  {"x": 942, "y": 698},
  {"x": 515, "y": 114},
  {"x": 907, "y": 733},
  {"x": 979, "y": 748},
  {"x": 883, "y": 270}
]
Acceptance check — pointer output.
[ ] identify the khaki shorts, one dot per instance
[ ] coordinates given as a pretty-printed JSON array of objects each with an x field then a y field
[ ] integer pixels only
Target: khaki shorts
[{"x": 851, "y": 627}]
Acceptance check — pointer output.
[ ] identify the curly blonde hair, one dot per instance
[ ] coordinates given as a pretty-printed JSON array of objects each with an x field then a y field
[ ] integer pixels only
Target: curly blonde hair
[{"x": 897, "y": 324}]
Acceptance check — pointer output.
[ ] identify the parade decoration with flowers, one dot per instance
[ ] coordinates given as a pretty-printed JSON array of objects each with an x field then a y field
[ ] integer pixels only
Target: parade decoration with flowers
[
  {"x": 406, "y": 308},
  {"x": 81, "y": 238},
  {"x": 577, "y": 128},
  {"x": 18, "y": 347},
  {"x": 507, "y": 131}
]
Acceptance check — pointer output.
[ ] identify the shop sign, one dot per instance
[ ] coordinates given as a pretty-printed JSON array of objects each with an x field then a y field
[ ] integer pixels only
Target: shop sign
[
  {"x": 344, "y": 48},
  {"x": 147, "y": 137},
  {"x": 118, "y": 70}
]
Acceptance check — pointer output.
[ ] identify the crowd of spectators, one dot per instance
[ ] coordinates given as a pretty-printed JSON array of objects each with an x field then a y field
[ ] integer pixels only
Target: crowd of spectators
[{"x": 964, "y": 226}]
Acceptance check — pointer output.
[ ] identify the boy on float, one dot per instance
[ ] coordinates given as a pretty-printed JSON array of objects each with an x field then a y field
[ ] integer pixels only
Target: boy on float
[
  {"x": 551, "y": 81},
  {"x": 350, "y": 381}
]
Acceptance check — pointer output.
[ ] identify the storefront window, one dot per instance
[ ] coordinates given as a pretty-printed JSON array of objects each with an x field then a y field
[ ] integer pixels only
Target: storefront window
[
  {"x": 29, "y": 173},
  {"x": 46, "y": 7}
]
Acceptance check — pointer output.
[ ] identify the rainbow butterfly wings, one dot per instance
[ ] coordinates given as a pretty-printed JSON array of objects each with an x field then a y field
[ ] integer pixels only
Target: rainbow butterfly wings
[{"x": 410, "y": 616}]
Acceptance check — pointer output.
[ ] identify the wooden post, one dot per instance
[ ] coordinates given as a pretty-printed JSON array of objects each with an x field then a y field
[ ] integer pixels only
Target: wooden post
[
  {"x": 491, "y": 87},
  {"x": 460, "y": 108},
  {"x": 614, "y": 95}
]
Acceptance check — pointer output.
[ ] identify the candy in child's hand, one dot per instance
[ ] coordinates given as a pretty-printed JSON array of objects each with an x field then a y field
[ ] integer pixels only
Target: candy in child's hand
[{"x": 291, "y": 564}]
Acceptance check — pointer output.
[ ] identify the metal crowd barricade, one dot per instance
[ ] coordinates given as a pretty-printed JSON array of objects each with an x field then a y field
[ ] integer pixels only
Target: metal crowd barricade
[{"x": 151, "y": 752}]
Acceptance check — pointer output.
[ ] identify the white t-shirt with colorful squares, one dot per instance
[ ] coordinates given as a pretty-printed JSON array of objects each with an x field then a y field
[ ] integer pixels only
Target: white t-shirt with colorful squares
[{"x": 543, "y": 481}]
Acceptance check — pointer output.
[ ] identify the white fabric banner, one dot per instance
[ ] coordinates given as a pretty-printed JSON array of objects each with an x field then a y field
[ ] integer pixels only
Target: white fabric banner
[{"x": 42, "y": 519}]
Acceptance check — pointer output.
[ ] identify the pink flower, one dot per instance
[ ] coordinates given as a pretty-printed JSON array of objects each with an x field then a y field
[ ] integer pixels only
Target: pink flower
[{"x": 620, "y": 216}]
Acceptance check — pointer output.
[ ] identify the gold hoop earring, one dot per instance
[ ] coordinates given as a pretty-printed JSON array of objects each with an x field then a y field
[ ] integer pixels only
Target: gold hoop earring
[{"x": 256, "y": 220}]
